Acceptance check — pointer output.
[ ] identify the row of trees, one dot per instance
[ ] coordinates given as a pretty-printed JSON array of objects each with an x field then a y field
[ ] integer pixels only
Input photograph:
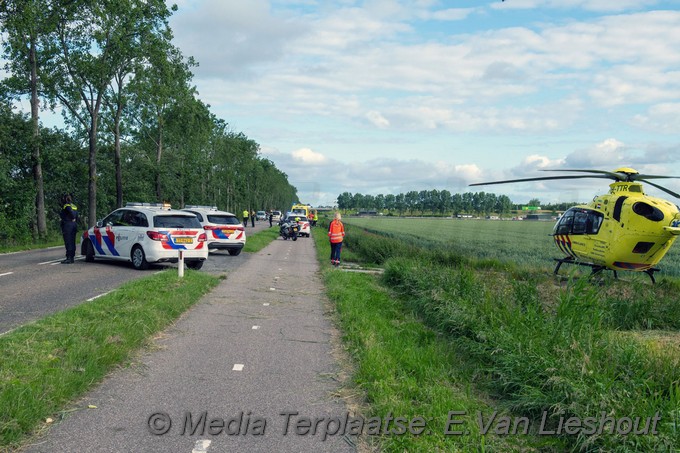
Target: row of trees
[
  {"x": 438, "y": 202},
  {"x": 135, "y": 129}
]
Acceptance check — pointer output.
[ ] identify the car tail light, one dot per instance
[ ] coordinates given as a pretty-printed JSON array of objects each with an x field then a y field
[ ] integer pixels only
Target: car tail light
[
  {"x": 156, "y": 236},
  {"x": 210, "y": 227},
  {"x": 202, "y": 237}
]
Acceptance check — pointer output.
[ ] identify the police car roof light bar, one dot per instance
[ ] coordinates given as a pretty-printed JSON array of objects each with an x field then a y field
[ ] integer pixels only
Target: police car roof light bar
[
  {"x": 148, "y": 205},
  {"x": 195, "y": 206}
]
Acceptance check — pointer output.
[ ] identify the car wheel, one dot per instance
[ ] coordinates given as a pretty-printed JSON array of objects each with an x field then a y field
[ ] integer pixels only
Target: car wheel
[
  {"x": 139, "y": 258},
  {"x": 295, "y": 237},
  {"x": 89, "y": 251},
  {"x": 234, "y": 252},
  {"x": 195, "y": 265}
]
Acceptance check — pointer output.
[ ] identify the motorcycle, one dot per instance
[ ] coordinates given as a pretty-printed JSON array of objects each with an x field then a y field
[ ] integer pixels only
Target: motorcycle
[{"x": 289, "y": 230}]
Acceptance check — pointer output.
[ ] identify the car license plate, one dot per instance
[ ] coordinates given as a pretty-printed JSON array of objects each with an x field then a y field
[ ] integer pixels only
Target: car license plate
[
  {"x": 184, "y": 240},
  {"x": 227, "y": 231}
]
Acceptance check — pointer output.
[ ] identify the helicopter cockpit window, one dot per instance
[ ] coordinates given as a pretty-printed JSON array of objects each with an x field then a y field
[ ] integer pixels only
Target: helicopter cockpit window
[
  {"x": 579, "y": 221},
  {"x": 564, "y": 224}
]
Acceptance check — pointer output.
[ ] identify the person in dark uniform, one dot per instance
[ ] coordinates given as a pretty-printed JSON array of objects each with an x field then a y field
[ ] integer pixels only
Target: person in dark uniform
[
  {"x": 271, "y": 218},
  {"x": 69, "y": 226}
]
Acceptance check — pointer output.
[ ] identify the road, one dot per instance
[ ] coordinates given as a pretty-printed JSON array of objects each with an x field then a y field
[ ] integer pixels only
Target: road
[
  {"x": 250, "y": 368},
  {"x": 34, "y": 284}
]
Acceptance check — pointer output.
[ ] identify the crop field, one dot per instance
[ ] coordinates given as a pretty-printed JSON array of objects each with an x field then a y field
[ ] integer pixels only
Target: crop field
[
  {"x": 527, "y": 244},
  {"x": 510, "y": 338}
]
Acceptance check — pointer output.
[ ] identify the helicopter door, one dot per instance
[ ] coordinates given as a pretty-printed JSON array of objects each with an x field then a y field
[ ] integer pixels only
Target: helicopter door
[{"x": 576, "y": 234}]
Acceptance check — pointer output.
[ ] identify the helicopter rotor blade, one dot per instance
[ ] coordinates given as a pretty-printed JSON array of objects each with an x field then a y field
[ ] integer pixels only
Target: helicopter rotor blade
[
  {"x": 643, "y": 177},
  {"x": 543, "y": 178},
  {"x": 668, "y": 191},
  {"x": 608, "y": 174}
]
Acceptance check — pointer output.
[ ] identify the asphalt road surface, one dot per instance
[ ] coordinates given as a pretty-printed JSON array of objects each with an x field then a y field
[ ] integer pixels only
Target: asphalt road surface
[
  {"x": 248, "y": 369},
  {"x": 34, "y": 284}
]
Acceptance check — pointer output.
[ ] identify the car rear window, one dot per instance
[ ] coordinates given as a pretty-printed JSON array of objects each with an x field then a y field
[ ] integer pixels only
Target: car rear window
[
  {"x": 222, "y": 219},
  {"x": 176, "y": 221}
]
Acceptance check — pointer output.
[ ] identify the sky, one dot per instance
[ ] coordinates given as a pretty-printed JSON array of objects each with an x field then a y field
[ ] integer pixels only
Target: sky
[{"x": 388, "y": 96}]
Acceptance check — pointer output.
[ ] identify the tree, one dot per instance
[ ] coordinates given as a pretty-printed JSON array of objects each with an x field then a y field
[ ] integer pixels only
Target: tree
[
  {"x": 344, "y": 201},
  {"x": 26, "y": 23},
  {"x": 156, "y": 88},
  {"x": 92, "y": 39}
]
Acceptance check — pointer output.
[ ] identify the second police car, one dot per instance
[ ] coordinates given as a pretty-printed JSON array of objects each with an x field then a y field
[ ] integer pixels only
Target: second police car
[
  {"x": 145, "y": 233},
  {"x": 224, "y": 229}
]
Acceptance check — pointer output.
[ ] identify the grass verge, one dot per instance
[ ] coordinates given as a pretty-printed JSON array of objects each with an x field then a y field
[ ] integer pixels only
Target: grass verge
[
  {"x": 547, "y": 351},
  {"x": 406, "y": 369},
  {"x": 258, "y": 241},
  {"x": 50, "y": 362}
]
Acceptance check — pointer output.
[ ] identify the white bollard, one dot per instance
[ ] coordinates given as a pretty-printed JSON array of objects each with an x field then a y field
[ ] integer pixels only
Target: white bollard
[{"x": 180, "y": 264}]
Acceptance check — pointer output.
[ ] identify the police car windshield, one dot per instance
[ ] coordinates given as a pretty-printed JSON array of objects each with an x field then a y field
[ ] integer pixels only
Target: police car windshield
[
  {"x": 175, "y": 221},
  {"x": 222, "y": 219}
]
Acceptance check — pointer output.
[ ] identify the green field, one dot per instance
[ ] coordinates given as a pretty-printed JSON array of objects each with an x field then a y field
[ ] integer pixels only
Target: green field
[
  {"x": 527, "y": 244},
  {"x": 502, "y": 334}
]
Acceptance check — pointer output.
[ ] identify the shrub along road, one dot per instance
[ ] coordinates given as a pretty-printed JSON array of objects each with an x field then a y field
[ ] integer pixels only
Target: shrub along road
[{"x": 253, "y": 357}]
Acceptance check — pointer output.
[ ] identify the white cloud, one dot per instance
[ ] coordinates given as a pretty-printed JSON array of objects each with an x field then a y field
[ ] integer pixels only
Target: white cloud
[
  {"x": 307, "y": 156},
  {"x": 378, "y": 120}
]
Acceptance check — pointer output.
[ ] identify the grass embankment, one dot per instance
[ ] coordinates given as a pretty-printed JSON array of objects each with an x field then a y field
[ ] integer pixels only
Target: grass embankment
[
  {"x": 261, "y": 239},
  {"x": 52, "y": 240},
  {"x": 511, "y": 340},
  {"x": 48, "y": 363}
]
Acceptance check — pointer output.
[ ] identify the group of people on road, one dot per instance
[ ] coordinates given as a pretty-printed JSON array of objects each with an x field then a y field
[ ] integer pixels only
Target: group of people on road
[{"x": 69, "y": 226}]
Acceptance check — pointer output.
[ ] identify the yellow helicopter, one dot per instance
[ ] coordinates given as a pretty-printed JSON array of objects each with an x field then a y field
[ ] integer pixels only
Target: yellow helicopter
[{"x": 623, "y": 229}]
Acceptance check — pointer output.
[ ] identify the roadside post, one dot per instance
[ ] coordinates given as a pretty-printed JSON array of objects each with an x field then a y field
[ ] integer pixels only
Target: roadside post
[{"x": 180, "y": 264}]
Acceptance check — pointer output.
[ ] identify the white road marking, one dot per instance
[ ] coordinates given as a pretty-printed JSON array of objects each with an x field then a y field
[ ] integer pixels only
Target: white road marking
[
  {"x": 266, "y": 304},
  {"x": 97, "y": 297},
  {"x": 256, "y": 327},
  {"x": 50, "y": 262},
  {"x": 6, "y": 273},
  {"x": 272, "y": 289},
  {"x": 238, "y": 367},
  {"x": 201, "y": 446}
]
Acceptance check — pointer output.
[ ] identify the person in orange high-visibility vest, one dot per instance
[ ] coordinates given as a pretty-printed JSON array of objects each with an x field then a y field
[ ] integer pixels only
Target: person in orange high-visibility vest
[{"x": 336, "y": 233}]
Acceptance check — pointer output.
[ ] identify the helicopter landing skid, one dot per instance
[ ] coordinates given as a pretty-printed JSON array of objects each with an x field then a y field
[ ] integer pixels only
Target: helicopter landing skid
[{"x": 596, "y": 269}]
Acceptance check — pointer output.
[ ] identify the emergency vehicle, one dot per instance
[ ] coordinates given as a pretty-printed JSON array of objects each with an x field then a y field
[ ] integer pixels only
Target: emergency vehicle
[
  {"x": 225, "y": 231},
  {"x": 145, "y": 233}
]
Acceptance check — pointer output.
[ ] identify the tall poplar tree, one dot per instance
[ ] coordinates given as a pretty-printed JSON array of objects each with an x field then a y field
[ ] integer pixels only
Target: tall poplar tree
[{"x": 92, "y": 38}]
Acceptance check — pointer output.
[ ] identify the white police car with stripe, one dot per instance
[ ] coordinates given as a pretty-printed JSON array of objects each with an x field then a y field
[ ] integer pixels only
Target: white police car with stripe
[
  {"x": 145, "y": 233},
  {"x": 224, "y": 229}
]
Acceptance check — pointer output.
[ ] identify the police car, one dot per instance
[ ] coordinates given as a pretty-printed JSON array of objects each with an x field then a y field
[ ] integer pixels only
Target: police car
[
  {"x": 224, "y": 229},
  {"x": 305, "y": 229},
  {"x": 276, "y": 216},
  {"x": 145, "y": 233}
]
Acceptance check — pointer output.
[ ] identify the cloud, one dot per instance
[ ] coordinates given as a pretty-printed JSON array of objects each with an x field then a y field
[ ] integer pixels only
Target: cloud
[
  {"x": 378, "y": 120},
  {"x": 307, "y": 156},
  {"x": 320, "y": 180}
]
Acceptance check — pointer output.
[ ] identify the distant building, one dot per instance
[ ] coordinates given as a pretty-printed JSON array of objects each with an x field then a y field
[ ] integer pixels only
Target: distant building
[{"x": 539, "y": 217}]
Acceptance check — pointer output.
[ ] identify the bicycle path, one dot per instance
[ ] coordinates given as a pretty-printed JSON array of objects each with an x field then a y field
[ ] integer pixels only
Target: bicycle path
[{"x": 249, "y": 368}]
